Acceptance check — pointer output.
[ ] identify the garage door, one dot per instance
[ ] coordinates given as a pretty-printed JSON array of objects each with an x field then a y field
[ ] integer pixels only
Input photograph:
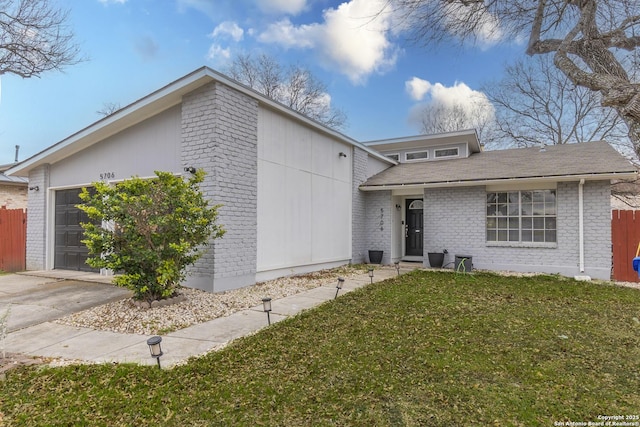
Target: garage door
[{"x": 70, "y": 252}]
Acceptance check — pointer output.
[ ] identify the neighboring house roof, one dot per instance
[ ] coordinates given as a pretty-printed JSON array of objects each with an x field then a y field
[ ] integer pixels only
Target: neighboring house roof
[
  {"x": 625, "y": 195},
  {"x": 11, "y": 180},
  {"x": 569, "y": 162},
  {"x": 155, "y": 103}
]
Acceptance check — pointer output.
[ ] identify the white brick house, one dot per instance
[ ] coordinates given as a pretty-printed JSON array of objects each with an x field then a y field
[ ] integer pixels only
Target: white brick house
[{"x": 299, "y": 197}]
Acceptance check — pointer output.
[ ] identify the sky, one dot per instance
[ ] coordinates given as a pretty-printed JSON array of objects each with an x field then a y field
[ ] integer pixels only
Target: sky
[{"x": 134, "y": 47}]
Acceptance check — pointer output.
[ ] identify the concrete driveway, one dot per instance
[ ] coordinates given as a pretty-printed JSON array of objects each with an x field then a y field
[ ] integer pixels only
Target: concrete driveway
[{"x": 34, "y": 300}]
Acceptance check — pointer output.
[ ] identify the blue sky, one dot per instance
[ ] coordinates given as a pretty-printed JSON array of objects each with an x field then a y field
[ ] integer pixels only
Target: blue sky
[{"x": 134, "y": 47}]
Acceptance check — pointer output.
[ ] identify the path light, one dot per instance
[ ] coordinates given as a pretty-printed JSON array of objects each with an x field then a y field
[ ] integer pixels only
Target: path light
[
  {"x": 339, "y": 286},
  {"x": 155, "y": 348},
  {"x": 266, "y": 306},
  {"x": 397, "y": 265},
  {"x": 371, "y": 274}
]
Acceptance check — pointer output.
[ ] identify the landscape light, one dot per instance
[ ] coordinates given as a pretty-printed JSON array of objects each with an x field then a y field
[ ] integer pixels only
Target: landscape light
[
  {"x": 339, "y": 286},
  {"x": 371, "y": 274},
  {"x": 397, "y": 265},
  {"x": 155, "y": 348},
  {"x": 266, "y": 306}
]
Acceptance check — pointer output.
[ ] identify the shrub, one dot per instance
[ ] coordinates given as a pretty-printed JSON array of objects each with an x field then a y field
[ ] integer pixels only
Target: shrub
[{"x": 148, "y": 230}]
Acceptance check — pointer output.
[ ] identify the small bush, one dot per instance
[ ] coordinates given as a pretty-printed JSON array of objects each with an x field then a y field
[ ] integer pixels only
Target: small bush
[{"x": 149, "y": 230}]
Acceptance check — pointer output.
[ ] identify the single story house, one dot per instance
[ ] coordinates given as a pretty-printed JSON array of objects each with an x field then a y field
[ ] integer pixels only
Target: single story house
[
  {"x": 13, "y": 190},
  {"x": 298, "y": 196},
  {"x": 625, "y": 195}
]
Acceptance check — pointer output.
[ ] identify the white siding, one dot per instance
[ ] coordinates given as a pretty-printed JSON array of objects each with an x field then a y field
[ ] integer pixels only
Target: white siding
[
  {"x": 304, "y": 195},
  {"x": 149, "y": 146},
  {"x": 375, "y": 166}
]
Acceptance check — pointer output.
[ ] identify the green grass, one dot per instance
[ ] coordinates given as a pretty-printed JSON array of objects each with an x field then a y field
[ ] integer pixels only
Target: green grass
[{"x": 427, "y": 349}]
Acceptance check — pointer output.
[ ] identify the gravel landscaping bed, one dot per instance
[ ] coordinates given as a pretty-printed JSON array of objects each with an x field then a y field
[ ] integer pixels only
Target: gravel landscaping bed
[{"x": 199, "y": 306}]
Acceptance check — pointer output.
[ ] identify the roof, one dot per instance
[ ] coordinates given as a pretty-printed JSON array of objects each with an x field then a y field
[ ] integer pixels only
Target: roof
[
  {"x": 11, "y": 180},
  {"x": 156, "y": 102},
  {"x": 569, "y": 162},
  {"x": 470, "y": 136}
]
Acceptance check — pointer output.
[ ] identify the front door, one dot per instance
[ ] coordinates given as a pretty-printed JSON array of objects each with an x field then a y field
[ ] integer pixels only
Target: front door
[{"x": 413, "y": 228}]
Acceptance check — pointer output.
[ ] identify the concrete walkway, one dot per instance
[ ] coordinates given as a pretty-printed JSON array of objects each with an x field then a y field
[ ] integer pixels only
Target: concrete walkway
[{"x": 52, "y": 340}]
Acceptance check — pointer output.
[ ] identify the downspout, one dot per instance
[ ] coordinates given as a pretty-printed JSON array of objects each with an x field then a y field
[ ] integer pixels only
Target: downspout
[{"x": 581, "y": 222}]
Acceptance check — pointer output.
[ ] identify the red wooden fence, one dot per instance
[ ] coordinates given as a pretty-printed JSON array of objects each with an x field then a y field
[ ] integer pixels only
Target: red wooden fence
[
  {"x": 625, "y": 237},
  {"x": 13, "y": 239}
]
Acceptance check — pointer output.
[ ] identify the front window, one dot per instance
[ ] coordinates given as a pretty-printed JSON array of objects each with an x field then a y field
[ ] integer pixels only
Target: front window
[
  {"x": 416, "y": 155},
  {"x": 521, "y": 216},
  {"x": 447, "y": 152}
]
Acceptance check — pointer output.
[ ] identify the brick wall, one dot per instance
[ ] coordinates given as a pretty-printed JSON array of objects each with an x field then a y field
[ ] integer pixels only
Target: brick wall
[
  {"x": 219, "y": 134},
  {"x": 13, "y": 196},
  {"x": 455, "y": 220},
  {"x": 378, "y": 225},
  {"x": 36, "y": 219},
  {"x": 359, "y": 236}
]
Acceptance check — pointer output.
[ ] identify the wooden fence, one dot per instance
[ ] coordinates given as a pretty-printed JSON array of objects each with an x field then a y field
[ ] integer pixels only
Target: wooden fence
[
  {"x": 625, "y": 237},
  {"x": 13, "y": 239}
]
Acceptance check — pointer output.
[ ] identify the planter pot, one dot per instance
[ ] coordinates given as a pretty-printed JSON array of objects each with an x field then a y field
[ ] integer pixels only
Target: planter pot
[
  {"x": 436, "y": 259},
  {"x": 375, "y": 257}
]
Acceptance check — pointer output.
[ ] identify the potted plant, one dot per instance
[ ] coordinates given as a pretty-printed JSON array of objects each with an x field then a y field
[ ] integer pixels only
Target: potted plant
[
  {"x": 375, "y": 257},
  {"x": 436, "y": 259}
]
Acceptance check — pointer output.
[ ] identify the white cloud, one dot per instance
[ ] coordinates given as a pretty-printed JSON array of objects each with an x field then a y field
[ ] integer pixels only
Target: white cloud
[
  {"x": 353, "y": 38},
  {"x": 228, "y": 28},
  {"x": 289, "y": 7},
  {"x": 459, "y": 95},
  {"x": 112, "y": 1},
  {"x": 217, "y": 53},
  {"x": 417, "y": 88},
  {"x": 285, "y": 34}
]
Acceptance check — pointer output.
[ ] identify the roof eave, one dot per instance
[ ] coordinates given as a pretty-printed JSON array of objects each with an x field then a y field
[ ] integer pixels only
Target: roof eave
[
  {"x": 161, "y": 100},
  {"x": 140, "y": 110},
  {"x": 524, "y": 180},
  {"x": 474, "y": 141}
]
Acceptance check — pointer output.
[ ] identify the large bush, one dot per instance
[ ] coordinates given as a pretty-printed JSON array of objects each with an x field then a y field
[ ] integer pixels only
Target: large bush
[{"x": 148, "y": 230}]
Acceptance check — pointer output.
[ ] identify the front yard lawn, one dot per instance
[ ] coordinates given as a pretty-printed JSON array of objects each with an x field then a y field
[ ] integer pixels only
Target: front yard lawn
[{"x": 425, "y": 349}]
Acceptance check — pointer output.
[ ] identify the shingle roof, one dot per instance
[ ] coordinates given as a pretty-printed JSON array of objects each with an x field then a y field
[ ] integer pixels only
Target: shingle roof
[{"x": 584, "y": 159}]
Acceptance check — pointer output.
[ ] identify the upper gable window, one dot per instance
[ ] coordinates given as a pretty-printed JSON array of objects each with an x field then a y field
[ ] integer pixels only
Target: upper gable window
[
  {"x": 447, "y": 152},
  {"x": 395, "y": 156},
  {"x": 416, "y": 155}
]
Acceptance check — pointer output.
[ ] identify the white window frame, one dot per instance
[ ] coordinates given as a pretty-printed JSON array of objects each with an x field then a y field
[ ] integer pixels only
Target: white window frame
[
  {"x": 435, "y": 152},
  {"x": 389, "y": 155},
  {"x": 550, "y": 216},
  {"x": 422, "y": 159}
]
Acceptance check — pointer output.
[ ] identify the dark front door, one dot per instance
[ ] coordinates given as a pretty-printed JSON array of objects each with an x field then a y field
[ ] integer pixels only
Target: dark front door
[
  {"x": 70, "y": 252},
  {"x": 413, "y": 228}
]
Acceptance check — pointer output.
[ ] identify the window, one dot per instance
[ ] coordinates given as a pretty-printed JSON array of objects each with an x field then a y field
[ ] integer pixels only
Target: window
[
  {"x": 395, "y": 157},
  {"x": 521, "y": 216},
  {"x": 416, "y": 204},
  {"x": 447, "y": 152},
  {"x": 416, "y": 155}
]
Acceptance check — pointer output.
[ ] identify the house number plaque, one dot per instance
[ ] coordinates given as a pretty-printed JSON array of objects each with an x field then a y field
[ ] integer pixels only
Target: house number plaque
[{"x": 107, "y": 175}]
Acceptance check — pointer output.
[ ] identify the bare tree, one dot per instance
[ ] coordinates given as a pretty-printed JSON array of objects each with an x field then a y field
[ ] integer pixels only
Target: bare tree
[
  {"x": 589, "y": 39},
  {"x": 536, "y": 103},
  {"x": 34, "y": 38},
  {"x": 437, "y": 117},
  {"x": 295, "y": 86},
  {"x": 108, "y": 108}
]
